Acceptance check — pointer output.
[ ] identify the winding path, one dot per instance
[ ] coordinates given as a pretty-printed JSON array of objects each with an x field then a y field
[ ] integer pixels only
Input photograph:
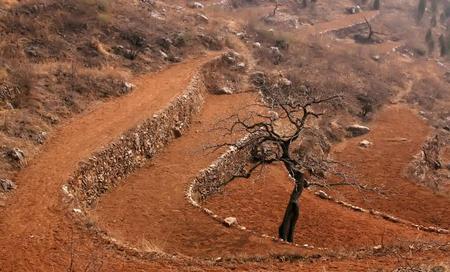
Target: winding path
[
  {"x": 36, "y": 230},
  {"x": 148, "y": 210}
]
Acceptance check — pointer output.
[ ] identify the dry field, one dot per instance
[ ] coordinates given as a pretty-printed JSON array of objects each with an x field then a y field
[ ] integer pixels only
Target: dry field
[{"x": 76, "y": 76}]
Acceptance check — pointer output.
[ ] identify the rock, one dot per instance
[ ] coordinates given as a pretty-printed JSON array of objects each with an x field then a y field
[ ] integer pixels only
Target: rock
[
  {"x": 378, "y": 247},
  {"x": 276, "y": 54},
  {"x": 257, "y": 45},
  {"x": 17, "y": 155},
  {"x": 32, "y": 51},
  {"x": 41, "y": 137},
  {"x": 203, "y": 18},
  {"x": 128, "y": 87},
  {"x": 275, "y": 50},
  {"x": 376, "y": 57},
  {"x": 155, "y": 14},
  {"x": 163, "y": 55},
  {"x": 365, "y": 143},
  {"x": 79, "y": 211},
  {"x": 197, "y": 5},
  {"x": 273, "y": 115},
  {"x": 241, "y": 35},
  {"x": 231, "y": 57},
  {"x": 177, "y": 132},
  {"x": 165, "y": 43},
  {"x": 230, "y": 221},
  {"x": 354, "y": 9},
  {"x": 284, "y": 82},
  {"x": 322, "y": 195},
  {"x": 438, "y": 268},
  {"x": 357, "y": 130},
  {"x": 241, "y": 66},
  {"x": 9, "y": 106},
  {"x": 224, "y": 90},
  {"x": 7, "y": 185}
]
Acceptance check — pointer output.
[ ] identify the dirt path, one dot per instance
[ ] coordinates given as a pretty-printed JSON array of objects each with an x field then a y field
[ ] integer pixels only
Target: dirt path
[
  {"x": 34, "y": 224},
  {"x": 149, "y": 210},
  {"x": 397, "y": 135}
]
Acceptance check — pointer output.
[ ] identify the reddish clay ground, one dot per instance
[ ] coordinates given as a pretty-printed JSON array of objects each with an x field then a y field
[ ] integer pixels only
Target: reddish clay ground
[
  {"x": 151, "y": 204},
  {"x": 39, "y": 233},
  {"x": 259, "y": 202},
  {"x": 383, "y": 165}
]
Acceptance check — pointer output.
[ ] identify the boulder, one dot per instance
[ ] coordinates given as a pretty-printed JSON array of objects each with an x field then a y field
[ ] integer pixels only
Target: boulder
[
  {"x": 17, "y": 155},
  {"x": 438, "y": 268},
  {"x": 376, "y": 57},
  {"x": 354, "y": 9},
  {"x": 197, "y": 5},
  {"x": 7, "y": 185},
  {"x": 241, "y": 66},
  {"x": 241, "y": 35},
  {"x": 202, "y": 17},
  {"x": 357, "y": 130},
  {"x": 275, "y": 50},
  {"x": 127, "y": 87},
  {"x": 177, "y": 132},
  {"x": 231, "y": 57},
  {"x": 322, "y": 195},
  {"x": 365, "y": 143},
  {"x": 257, "y": 45},
  {"x": 163, "y": 54},
  {"x": 284, "y": 82},
  {"x": 9, "y": 106},
  {"x": 224, "y": 90},
  {"x": 230, "y": 221}
]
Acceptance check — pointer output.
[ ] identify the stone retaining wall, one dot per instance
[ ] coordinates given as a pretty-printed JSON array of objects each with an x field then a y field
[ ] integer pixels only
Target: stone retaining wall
[
  {"x": 219, "y": 173},
  {"x": 107, "y": 167}
]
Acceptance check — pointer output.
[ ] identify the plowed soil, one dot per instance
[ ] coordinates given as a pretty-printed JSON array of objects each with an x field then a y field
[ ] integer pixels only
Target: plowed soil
[
  {"x": 149, "y": 209},
  {"x": 259, "y": 202}
]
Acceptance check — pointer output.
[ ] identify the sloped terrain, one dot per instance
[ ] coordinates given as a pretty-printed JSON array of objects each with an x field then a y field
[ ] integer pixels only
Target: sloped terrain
[{"x": 145, "y": 221}]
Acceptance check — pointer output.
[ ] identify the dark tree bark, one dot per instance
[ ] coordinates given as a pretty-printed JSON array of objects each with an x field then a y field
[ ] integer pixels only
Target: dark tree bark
[
  {"x": 268, "y": 145},
  {"x": 287, "y": 227}
]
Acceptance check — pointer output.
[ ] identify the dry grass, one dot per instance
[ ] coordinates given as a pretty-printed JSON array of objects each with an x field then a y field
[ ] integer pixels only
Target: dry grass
[
  {"x": 156, "y": 245},
  {"x": 56, "y": 57}
]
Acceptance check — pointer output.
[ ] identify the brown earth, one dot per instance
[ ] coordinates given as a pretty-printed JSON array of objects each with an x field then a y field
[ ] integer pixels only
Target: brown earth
[
  {"x": 39, "y": 234},
  {"x": 35, "y": 225},
  {"x": 259, "y": 202}
]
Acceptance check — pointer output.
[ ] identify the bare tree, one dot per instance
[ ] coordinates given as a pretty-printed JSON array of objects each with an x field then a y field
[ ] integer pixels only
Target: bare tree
[
  {"x": 376, "y": 4},
  {"x": 430, "y": 41},
  {"x": 274, "y": 133},
  {"x": 275, "y": 8},
  {"x": 443, "y": 45},
  {"x": 421, "y": 9},
  {"x": 370, "y": 36}
]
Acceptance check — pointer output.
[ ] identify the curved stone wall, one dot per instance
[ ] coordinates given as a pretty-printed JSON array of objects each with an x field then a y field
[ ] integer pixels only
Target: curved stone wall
[{"x": 107, "y": 167}]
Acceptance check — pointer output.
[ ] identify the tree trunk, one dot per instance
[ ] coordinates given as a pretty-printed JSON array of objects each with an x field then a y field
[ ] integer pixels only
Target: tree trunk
[{"x": 287, "y": 227}]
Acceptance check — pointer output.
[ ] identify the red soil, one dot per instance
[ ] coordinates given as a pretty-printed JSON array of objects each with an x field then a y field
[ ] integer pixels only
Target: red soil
[
  {"x": 36, "y": 229},
  {"x": 39, "y": 233},
  {"x": 259, "y": 202},
  {"x": 150, "y": 207}
]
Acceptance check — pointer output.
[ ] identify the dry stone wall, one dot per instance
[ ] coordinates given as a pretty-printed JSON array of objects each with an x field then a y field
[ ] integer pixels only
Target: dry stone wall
[
  {"x": 107, "y": 167},
  {"x": 218, "y": 174}
]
